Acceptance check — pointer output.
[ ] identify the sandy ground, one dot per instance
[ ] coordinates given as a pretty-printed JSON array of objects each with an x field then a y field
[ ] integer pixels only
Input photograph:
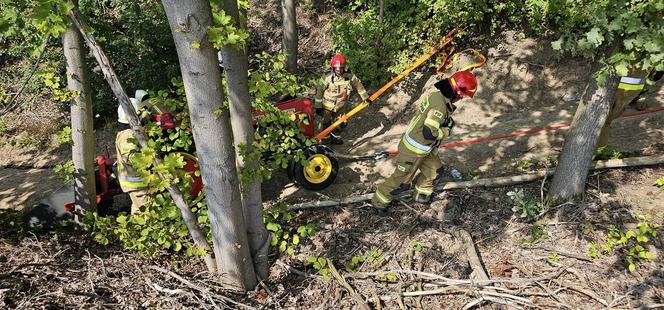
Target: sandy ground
[{"x": 26, "y": 173}]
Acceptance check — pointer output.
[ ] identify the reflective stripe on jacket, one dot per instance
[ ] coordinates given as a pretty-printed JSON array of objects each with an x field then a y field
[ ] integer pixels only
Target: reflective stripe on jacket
[
  {"x": 631, "y": 83},
  {"x": 635, "y": 80},
  {"x": 128, "y": 177},
  {"x": 427, "y": 129}
]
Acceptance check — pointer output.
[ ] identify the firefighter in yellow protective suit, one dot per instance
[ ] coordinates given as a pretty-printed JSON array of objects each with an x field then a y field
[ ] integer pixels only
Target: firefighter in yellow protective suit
[
  {"x": 332, "y": 93},
  {"x": 629, "y": 89},
  {"x": 418, "y": 148},
  {"x": 130, "y": 181}
]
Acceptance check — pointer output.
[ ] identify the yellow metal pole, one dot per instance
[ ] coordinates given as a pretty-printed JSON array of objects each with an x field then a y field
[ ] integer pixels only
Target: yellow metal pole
[{"x": 376, "y": 94}]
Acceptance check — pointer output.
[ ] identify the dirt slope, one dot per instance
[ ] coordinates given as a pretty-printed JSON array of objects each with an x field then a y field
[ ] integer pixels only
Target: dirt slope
[{"x": 522, "y": 87}]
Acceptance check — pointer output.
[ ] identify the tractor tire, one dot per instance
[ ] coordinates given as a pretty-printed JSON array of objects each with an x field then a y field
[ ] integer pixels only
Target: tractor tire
[{"x": 319, "y": 173}]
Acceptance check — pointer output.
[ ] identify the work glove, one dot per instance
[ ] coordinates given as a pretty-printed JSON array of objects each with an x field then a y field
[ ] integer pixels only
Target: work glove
[{"x": 449, "y": 124}]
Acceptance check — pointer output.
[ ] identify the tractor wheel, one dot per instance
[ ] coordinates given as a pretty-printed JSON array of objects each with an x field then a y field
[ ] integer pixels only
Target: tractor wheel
[{"x": 321, "y": 170}]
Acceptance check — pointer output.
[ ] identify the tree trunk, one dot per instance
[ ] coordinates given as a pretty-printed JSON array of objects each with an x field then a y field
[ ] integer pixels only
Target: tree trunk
[
  {"x": 236, "y": 73},
  {"x": 381, "y": 9},
  {"x": 82, "y": 148},
  {"x": 189, "y": 21},
  {"x": 289, "y": 42},
  {"x": 576, "y": 158},
  {"x": 112, "y": 79}
]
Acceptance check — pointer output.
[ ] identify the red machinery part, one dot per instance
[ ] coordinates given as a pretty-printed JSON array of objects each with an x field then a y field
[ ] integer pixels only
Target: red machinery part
[
  {"x": 191, "y": 166},
  {"x": 301, "y": 107},
  {"x": 165, "y": 120}
]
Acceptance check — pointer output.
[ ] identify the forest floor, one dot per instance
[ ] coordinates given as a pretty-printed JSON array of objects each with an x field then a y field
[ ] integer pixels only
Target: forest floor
[{"x": 542, "y": 263}]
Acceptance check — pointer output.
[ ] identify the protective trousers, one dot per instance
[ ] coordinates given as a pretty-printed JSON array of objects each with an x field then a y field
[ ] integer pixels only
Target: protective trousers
[
  {"x": 407, "y": 165},
  {"x": 330, "y": 116},
  {"x": 629, "y": 88}
]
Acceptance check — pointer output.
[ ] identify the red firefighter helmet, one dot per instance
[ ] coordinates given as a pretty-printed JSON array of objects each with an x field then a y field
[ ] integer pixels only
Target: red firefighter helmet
[
  {"x": 337, "y": 61},
  {"x": 464, "y": 83}
]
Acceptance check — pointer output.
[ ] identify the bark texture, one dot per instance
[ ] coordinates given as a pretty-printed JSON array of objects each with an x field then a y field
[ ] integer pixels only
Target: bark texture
[
  {"x": 576, "y": 158},
  {"x": 236, "y": 74},
  {"x": 82, "y": 148},
  {"x": 112, "y": 79},
  {"x": 289, "y": 41},
  {"x": 189, "y": 22}
]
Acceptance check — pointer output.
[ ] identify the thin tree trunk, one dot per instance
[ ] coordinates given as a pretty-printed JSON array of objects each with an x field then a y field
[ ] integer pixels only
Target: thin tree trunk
[
  {"x": 236, "y": 73},
  {"x": 289, "y": 41},
  {"x": 576, "y": 157},
  {"x": 381, "y": 9},
  {"x": 82, "y": 148},
  {"x": 112, "y": 79},
  {"x": 189, "y": 21}
]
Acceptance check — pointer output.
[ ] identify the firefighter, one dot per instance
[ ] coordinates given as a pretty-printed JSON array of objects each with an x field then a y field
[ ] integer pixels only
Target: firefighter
[
  {"x": 130, "y": 181},
  {"x": 639, "y": 102},
  {"x": 630, "y": 87},
  {"x": 332, "y": 93},
  {"x": 418, "y": 148}
]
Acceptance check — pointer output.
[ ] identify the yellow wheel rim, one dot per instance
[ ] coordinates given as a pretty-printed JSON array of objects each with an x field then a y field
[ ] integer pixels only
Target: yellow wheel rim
[{"x": 318, "y": 170}]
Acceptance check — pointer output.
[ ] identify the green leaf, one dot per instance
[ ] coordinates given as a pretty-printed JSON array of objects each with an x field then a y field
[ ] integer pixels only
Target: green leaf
[
  {"x": 595, "y": 37},
  {"x": 621, "y": 69},
  {"x": 195, "y": 45},
  {"x": 273, "y": 227},
  {"x": 631, "y": 267},
  {"x": 121, "y": 219},
  {"x": 139, "y": 220},
  {"x": 557, "y": 44},
  {"x": 296, "y": 239}
]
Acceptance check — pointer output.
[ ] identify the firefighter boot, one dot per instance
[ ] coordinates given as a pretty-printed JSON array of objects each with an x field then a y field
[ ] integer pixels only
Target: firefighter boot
[
  {"x": 335, "y": 138},
  {"x": 421, "y": 198},
  {"x": 381, "y": 211}
]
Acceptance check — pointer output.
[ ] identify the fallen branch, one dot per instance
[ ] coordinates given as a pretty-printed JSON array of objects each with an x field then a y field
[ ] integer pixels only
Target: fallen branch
[
  {"x": 471, "y": 253},
  {"x": 470, "y": 291},
  {"x": 492, "y": 182},
  {"x": 584, "y": 291},
  {"x": 478, "y": 301},
  {"x": 567, "y": 254},
  {"x": 298, "y": 271},
  {"x": 330, "y": 203},
  {"x": 440, "y": 280},
  {"x": 203, "y": 290},
  {"x": 360, "y": 301}
]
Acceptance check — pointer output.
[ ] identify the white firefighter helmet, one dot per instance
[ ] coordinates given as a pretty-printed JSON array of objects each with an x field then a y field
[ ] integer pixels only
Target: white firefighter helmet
[{"x": 136, "y": 103}]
